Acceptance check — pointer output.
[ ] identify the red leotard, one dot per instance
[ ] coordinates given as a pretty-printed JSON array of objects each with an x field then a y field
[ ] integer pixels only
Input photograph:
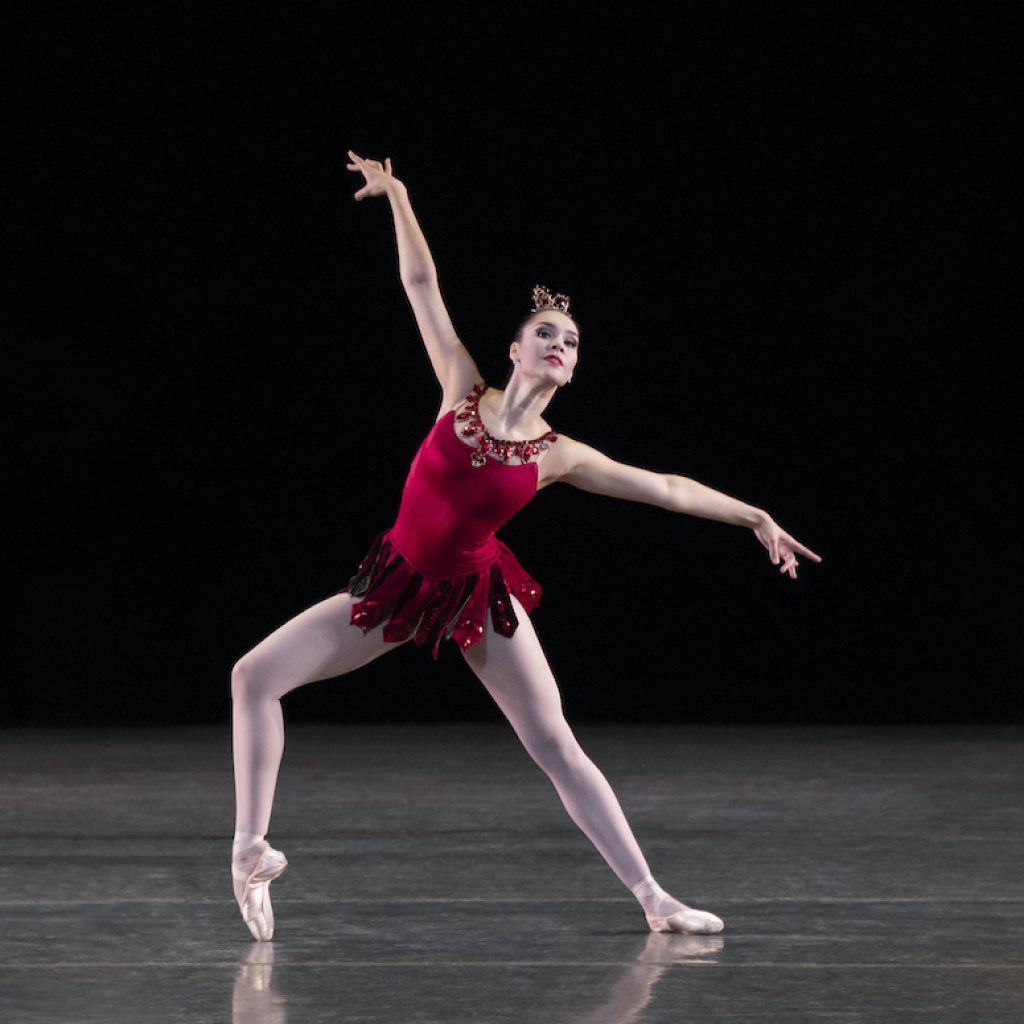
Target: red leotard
[{"x": 438, "y": 569}]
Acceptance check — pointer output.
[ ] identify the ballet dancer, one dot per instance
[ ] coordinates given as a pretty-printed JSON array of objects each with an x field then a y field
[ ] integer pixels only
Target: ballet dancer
[{"x": 439, "y": 570}]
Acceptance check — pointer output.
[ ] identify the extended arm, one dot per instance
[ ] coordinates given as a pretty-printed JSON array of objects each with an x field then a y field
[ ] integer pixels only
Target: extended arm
[
  {"x": 590, "y": 470},
  {"x": 453, "y": 366}
]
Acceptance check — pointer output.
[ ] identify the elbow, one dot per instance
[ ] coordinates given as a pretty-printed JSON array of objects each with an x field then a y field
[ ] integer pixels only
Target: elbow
[
  {"x": 676, "y": 493},
  {"x": 420, "y": 279}
]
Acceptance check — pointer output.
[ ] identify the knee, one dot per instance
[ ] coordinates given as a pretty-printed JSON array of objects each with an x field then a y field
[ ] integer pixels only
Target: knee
[
  {"x": 244, "y": 679},
  {"x": 557, "y": 751}
]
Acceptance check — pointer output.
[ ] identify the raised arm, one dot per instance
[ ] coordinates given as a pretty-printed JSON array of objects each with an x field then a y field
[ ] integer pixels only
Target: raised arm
[
  {"x": 454, "y": 367},
  {"x": 588, "y": 469}
]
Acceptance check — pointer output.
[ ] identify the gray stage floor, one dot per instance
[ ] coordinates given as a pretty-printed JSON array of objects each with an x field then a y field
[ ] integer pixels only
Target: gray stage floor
[{"x": 864, "y": 874}]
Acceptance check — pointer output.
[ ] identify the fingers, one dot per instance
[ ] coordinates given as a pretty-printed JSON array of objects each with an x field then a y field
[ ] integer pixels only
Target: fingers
[
  {"x": 806, "y": 551},
  {"x": 361, "y": 164},
  {"x": 789, "y": 566},
  {"x": 370, "y": 170},
  {"x": 792, "y": 544},
  {"x": 795, "y": 545},
  {"x": 782, "y": 550}
]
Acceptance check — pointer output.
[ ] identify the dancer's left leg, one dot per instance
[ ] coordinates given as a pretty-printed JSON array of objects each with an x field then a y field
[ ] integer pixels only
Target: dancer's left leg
[{"x": 516, "y": 673}]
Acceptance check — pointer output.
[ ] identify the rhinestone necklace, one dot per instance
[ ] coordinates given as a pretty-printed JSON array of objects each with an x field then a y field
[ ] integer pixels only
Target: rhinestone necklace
[{"x": 504, "y": 450}]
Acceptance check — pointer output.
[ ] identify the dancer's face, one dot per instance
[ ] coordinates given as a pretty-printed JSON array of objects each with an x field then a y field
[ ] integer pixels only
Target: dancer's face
[{"x": 548, "y": 346}]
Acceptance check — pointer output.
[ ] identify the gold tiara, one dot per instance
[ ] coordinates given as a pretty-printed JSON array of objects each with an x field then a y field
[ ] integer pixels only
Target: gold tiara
[{"x": 543, "y": 299}]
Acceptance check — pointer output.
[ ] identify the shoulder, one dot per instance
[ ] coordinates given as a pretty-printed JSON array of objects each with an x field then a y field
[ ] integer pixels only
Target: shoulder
[{"x": 563, "y": 455}]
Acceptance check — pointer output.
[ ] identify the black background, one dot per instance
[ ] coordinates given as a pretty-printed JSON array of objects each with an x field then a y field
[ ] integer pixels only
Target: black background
[{"x": 778, "y": 236}]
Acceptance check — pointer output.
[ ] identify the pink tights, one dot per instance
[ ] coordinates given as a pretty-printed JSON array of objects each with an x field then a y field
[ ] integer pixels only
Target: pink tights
[{"x": 319, "y": 643}]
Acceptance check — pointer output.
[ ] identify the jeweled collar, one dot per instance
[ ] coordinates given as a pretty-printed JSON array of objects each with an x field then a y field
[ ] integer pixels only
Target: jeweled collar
[{"x": 503, "y": 450}]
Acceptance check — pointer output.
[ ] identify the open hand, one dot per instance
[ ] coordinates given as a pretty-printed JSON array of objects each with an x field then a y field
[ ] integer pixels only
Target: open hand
[
  {"x": 782, "y": 548},
  {"x": 377, "y": 175}
]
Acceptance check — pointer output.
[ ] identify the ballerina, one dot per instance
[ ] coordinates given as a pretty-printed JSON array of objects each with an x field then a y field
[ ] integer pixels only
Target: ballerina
[{"x": 441, "y": 573}]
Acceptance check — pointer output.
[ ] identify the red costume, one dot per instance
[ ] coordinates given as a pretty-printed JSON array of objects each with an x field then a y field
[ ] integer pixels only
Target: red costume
[{"x": 440, "y": 567}]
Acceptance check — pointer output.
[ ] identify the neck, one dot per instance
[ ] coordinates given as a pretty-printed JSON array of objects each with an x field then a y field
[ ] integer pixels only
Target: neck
[{"x": 522, "y": 405}]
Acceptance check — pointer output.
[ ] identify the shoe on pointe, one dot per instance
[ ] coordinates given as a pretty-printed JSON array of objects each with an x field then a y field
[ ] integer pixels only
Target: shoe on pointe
[{"x": 252, "y": 887}]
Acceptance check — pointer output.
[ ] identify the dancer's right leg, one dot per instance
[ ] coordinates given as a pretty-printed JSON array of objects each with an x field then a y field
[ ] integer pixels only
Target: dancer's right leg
[{"x": 319, "y": 643}]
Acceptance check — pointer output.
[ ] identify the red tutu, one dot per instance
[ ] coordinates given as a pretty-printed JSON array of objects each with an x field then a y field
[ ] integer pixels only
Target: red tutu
[{"x": 411, "y": 604}]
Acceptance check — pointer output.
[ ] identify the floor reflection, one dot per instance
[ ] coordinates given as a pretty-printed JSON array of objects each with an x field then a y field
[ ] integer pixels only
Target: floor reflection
[
  {"x": 254, "y": 999},
  {"x": 634, "y": 987}
]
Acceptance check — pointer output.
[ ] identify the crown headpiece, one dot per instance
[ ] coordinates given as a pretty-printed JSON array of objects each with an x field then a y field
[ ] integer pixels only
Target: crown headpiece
[{"x": 543, "y": 299}]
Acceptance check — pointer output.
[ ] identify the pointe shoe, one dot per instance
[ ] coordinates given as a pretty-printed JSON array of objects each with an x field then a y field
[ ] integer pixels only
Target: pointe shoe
[
  {"x": 254, "y": 900},
  {"x": 687, "y": 921},
  {"x": 666, "y": 914}
]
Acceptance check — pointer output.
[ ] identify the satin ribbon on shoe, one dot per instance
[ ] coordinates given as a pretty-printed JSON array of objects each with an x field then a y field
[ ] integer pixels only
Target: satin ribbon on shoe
[{"x": 254, "y": 901}]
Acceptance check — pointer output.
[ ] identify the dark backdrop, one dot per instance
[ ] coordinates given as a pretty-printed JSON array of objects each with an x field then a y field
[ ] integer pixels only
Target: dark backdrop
[{"x": 771, "y": 232}]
